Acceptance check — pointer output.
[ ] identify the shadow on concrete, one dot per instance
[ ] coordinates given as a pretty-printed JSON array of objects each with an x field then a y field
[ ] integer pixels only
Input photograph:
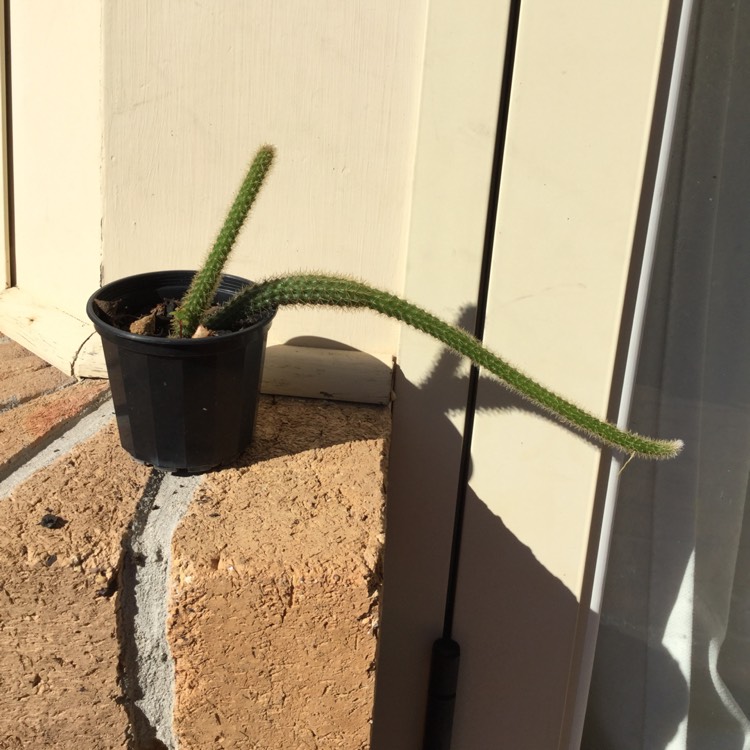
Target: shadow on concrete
[{"x": 287, "y": 426}]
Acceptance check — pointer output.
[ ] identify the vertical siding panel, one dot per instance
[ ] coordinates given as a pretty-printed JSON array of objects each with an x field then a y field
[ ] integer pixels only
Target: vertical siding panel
[
  {"x": 579, "y": 127},
  {"x": 56, "y": 74},
  {"x": 460, "y": 93},
  {"x": 192, "y": 89}
]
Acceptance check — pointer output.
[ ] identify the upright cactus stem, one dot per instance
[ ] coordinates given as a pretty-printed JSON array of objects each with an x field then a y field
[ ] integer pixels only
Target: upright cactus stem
[{"x": 200, "y": 295}]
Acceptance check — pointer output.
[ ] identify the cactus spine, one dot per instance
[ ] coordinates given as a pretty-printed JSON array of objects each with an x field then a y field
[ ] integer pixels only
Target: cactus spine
[{"x": 200, "y": 295}]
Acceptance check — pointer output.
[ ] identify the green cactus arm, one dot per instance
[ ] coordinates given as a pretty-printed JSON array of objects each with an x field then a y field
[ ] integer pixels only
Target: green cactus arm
[
  {"x": 313, "y": 289},
  {"x": 200, "y": 295}
]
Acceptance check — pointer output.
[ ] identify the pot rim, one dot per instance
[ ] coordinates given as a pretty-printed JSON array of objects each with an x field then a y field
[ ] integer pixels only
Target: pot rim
[{"x": 162, "y": 278}]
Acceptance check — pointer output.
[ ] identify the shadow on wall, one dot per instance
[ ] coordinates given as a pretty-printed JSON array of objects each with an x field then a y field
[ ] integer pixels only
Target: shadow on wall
[{"x": 515, "y": 621}]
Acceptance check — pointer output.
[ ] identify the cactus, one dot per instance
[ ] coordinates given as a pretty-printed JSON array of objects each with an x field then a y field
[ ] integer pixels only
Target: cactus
[
  {"x": 200, "y": 295},
  {"x": 313, "y": 289},
  {"x": 316, "y": 289}
]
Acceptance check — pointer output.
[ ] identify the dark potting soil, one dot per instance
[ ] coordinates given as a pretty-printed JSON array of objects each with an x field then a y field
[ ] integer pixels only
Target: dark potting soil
[{"x": 154, "y": 322}]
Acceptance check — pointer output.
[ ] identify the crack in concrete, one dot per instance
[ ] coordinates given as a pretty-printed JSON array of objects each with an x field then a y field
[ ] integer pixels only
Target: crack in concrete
[{"x": 147, "y": 667}]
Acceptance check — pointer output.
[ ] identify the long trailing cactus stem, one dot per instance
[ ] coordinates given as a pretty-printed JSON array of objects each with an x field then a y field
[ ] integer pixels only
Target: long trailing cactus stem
[
  {"x": 201, "y": 293},
  {"x": 313, "y": 289}
]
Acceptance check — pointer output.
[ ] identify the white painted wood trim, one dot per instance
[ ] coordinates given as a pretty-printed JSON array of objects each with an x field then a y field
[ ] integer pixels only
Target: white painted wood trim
[
  {"x": 334, "y": 374},
  {"x": 50, "y": 333}
]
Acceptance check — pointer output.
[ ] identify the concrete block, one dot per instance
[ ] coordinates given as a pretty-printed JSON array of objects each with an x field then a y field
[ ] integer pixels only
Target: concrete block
[
  {"x": 275, "y": 581},
  {"x": 60, "y": 548}
]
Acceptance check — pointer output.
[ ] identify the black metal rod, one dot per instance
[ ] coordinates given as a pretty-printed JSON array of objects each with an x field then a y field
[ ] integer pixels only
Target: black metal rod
[
  {"x": 446, "y": 653},
  {"x": 441, "y": 695},
  {"x": 482, "y": 297}
]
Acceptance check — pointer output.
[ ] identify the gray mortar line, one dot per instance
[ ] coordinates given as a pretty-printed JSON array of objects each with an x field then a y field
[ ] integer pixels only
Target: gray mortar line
[
  {"x": 80, "y": 431},
  {"x": 144, "y": 590}
]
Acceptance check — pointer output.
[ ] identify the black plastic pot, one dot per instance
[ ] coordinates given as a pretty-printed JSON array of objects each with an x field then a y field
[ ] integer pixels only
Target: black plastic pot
[{"x": 181, "y": 404}]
